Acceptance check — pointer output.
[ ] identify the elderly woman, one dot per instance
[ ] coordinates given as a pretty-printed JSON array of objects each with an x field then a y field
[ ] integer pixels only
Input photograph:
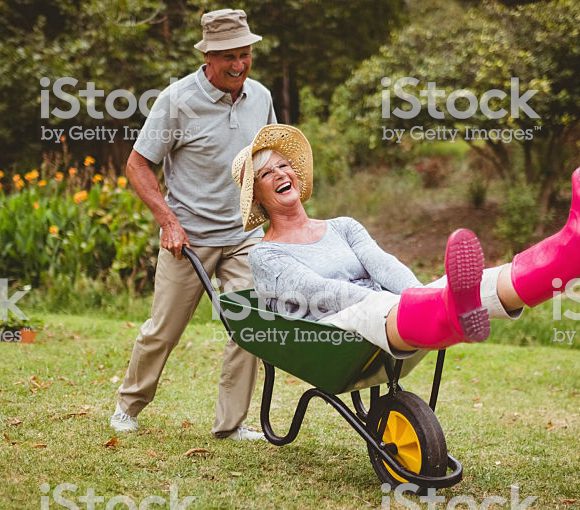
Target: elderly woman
[{"x": 333, "y": 272}]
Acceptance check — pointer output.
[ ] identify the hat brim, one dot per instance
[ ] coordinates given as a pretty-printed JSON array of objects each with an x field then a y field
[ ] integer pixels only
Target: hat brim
[
  {"x": 227, "y": 44},
  {"x": 288, "y": 141}
]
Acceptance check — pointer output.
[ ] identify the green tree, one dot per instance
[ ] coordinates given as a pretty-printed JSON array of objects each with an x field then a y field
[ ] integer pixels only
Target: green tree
[
  {"x": 132, "y": 45},
  {"x": 480, "y": 49},
  {"x": 316, "y": 43}
]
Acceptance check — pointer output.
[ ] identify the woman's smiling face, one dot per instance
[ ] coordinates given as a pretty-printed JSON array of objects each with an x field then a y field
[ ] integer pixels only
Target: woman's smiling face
[{"x": 276, "y": 185}]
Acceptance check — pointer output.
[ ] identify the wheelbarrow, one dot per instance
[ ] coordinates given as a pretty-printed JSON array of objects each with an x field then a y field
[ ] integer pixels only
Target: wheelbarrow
[{"x": 405, "y": 441}]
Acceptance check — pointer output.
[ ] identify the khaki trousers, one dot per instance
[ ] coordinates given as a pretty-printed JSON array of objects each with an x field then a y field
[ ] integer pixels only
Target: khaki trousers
[{"x": 177, "y": 294}]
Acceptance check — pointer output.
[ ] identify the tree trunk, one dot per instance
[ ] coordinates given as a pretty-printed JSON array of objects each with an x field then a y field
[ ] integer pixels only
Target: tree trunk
[
  {"x": 528, "y": 163},
  {"x": 552, "y": 162},
  {"x": 286, "y": 104},
  {"x": 490, "y": 156}
]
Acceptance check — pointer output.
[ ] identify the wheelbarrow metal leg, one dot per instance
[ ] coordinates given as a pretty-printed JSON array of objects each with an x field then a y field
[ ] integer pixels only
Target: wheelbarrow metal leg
[{"x": 437, "y": 379}]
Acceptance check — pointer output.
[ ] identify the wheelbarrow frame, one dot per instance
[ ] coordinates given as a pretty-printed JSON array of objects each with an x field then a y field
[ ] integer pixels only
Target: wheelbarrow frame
[{"x": 357, "y": 419}]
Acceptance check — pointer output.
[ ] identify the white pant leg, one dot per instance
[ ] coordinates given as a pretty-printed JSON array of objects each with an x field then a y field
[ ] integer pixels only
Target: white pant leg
[
  {"x": 489, "y": 297},
  {"x": 368, "y": 318}
]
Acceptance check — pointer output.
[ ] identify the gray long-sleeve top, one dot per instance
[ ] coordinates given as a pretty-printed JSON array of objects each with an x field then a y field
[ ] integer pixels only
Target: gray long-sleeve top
[{"x": 317, "y": 279}]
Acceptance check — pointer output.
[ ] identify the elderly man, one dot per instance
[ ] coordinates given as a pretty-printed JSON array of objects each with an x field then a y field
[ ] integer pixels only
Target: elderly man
[{"x": 196, "y": 127}]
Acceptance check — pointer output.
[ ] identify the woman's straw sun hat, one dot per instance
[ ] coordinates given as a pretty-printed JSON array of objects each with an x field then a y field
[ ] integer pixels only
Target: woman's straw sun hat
[{"x": 289, "y": 142}]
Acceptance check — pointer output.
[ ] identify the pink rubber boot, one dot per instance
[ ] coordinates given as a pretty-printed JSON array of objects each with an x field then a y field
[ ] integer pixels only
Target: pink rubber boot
[
  {"x": 438, "y": 318},
  {"x": 557, "y": 257}
]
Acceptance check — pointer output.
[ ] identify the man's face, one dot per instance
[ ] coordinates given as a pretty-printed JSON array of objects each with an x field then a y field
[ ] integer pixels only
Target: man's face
[{"x": 228, "y": 69}]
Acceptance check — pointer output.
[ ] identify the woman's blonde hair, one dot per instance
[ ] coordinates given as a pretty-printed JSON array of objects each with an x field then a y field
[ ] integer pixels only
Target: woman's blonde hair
[{"x": 260, "y": 158}]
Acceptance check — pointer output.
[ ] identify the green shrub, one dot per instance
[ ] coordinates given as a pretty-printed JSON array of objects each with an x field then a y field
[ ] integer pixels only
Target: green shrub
[
  {"x": 519, "y": 216},
  {"x": 477, "y": 192},
  {"x": 57, "y": 229},
  {"x": 329, "y": 146}
]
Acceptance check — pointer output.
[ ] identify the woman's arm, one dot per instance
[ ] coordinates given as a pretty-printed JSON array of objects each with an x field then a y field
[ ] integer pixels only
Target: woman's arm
[
  {"x": 278, "y": 275},
  {"x": 383, "y": 267}
]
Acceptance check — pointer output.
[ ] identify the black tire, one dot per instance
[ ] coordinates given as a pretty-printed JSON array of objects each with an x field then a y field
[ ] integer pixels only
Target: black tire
[{"x": 429, "y": 437}]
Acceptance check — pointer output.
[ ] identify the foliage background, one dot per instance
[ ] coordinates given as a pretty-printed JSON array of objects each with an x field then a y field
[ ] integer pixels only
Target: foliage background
[{"x": 85, "y": 235}]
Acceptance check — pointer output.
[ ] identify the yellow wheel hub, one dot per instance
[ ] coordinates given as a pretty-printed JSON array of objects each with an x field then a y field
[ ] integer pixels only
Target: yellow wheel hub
[{"x": 401, "y": 433}]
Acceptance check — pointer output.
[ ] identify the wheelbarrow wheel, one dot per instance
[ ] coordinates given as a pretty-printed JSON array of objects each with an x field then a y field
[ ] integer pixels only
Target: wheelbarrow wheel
[{"x": 413, "y": 435}]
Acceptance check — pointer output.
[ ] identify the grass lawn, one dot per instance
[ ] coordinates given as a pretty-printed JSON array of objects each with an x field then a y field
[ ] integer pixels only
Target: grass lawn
[{"x": 510, "y": 415}]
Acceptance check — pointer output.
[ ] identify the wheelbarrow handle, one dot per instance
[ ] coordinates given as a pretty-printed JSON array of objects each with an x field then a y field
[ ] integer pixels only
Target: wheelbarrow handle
[{"x": 206, "y": 282}]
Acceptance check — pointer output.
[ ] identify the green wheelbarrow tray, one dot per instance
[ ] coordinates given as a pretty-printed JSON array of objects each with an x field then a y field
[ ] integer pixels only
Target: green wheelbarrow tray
[
  {"x": 335, "y": 361},
  {"x": 324, "y": 356}
]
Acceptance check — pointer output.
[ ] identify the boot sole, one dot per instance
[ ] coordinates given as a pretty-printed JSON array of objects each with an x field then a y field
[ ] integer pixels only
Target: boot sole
[{"x": 464, "y": 262}]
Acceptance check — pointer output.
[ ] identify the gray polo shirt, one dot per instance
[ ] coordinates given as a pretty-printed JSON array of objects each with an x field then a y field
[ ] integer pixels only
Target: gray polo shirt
[{"x": 197, "y": 131}]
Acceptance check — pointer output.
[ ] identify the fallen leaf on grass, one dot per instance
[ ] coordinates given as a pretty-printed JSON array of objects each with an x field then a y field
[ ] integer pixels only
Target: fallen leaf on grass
[
  {"x": 556, "y": 424},
  {"x": 185, "y": 424},
  {"x": 8, "y": 440},
  {"x": 39, "y": 445},
  {"x": 198, "y": 452},
  {"x": 569, "y": 501},
  {"x": 152, "y": 453},
  {"x": 73, "y": 415},
  {"x": 66, "y": 380},
  {"x": 112, "y": 443},
  {"x": 35, "y": 384},
  {"x": 129, "y": 325},
  {"x": 291, "y": 380},
  {"x": 14, "y": 422}
]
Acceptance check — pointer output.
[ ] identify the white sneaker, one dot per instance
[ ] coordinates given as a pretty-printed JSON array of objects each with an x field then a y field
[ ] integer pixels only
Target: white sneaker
[
  {"x": 243, "y": 433},
  {"x": 122, "y": 422}
]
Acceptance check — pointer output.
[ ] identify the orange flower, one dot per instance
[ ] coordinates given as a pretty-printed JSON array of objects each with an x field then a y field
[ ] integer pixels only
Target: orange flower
[
  {"x": 122, "y": 182},
  {"x": 32, "y": 175},
  {"x": 89, "y": 160},
  {"x": 97, "y": 178},
  {"x": 58, "y": 176},
  {"x": 80, "y": 196},
  {"x": 19, "y": 184},
  {"x": 53, "y": 230},
  {"x": 42, "y": 183},
  {"x": 1, "y": 174},
  {"x": 72, "y": 171},
  {"x": 16, "y": 178},
  {"x": 36, "y": 205}
]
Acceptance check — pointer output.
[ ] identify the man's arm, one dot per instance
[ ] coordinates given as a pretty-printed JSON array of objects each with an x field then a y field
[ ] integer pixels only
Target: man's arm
[{"x": 143, "y": 180}]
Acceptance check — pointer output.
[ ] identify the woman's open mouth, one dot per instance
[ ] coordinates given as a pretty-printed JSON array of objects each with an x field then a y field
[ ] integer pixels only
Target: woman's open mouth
[{"x": 283, "y": 188}]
